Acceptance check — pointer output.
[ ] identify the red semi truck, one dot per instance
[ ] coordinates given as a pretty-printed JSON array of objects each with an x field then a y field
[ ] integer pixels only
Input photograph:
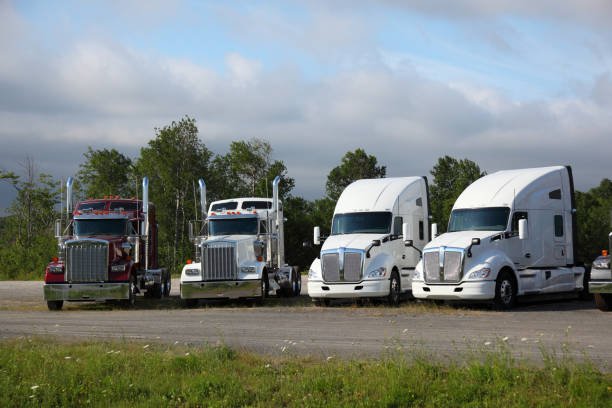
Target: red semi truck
[{"x": 107, "y": 251}]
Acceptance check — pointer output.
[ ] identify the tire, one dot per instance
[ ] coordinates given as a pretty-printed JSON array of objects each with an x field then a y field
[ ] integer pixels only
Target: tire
[
  {"x": 505, "y": 291},
  {"x": 156, "y": 291},
  {"x": 296, "y": 284},
  {"x": 395, "y": 290},
  {"x": 603, "y": 301},
  {"x": 584, "y": 293},
  {"x": 168, "y": 285},
  {"x": 55, "y": 304},
  {"x": 131, "y": 300},
  {"x": 265, "y": 288}
]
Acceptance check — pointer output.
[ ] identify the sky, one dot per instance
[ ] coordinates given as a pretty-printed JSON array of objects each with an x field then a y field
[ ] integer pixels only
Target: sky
[{"x": 507, "y": 83}]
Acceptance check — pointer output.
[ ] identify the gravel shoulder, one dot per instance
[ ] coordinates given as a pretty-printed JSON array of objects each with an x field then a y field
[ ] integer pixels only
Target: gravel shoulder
[{"x": 566, "y": 329}]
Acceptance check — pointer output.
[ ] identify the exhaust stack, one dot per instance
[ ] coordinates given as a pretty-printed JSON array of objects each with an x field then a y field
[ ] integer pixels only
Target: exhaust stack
[
  {"x": 69, "y": 196},
  {"x": 145, "y": 211},
  {"x": 203, "y": 198},
  {"x": 278, "y": 221}
]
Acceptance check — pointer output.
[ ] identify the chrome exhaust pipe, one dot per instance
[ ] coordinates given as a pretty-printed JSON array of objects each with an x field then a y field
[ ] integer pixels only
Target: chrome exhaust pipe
[
  {"x": 69, "y": 195},
  {"x": 278, "y": 221},
  {"x": 145, "y": 225},
  {"x": 203, "y": 198}
]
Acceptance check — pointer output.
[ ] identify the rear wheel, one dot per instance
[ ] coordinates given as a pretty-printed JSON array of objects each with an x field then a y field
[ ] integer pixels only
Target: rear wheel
[
  {"x": 296, "y": 284},
  {"x": 505, "y": 291},
  {"x": 168, "y": 285},
  {"x": 603, "y": 301},
  {"x": 55, "y": 304},
  {"x": 394, "y": 289}
]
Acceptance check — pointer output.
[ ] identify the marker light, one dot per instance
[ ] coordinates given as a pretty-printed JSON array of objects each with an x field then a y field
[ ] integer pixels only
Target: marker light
[
  {"x": 189, "y": 261},
  {"x": 604, "y": 252}
]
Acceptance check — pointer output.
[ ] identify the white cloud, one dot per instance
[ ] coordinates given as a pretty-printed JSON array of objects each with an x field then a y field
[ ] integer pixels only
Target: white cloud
[{"x": 242, "y": 70}]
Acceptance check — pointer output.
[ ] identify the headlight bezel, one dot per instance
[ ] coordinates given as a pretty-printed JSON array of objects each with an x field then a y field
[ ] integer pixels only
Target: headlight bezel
[
  {"x": 479, "y": 274},
  {"x": 118, "y": 268},
  {"x": 378, "y": 273},
  {"x": 192, "y": 272},
  {"x": 56, "y": 269}
]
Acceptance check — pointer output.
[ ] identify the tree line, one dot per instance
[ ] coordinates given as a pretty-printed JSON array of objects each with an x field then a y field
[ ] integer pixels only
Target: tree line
[{"x": 175, "y": 158}]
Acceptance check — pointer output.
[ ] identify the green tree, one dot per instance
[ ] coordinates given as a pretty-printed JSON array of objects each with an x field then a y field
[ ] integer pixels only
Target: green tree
[
  {"x": 593, "y": 212},
  {"x": 27, "y": 232},
  {"x": 174, "y": 160},
  {"x": 353, "y": 166},
  {"x": 106, "y": 172},
  {"x": 250, "y": 161},
  {"x": 450, "y": 178}
]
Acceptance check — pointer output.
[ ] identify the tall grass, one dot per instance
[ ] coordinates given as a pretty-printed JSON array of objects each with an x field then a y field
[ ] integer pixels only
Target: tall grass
[{"x": 41, "y": 373}]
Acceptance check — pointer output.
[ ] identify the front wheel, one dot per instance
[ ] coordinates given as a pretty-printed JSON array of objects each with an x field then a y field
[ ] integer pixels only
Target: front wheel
[
  {"x": 505, "y": 291},
  {"x": 297, "y": 284},
  {"x": 603, "y": 301},
  {"x": 131, "y": 300},
  {"x": 55, "y": 304},
  {"x": 394, "y": 290},
  {"x": 265, "y": 288}
]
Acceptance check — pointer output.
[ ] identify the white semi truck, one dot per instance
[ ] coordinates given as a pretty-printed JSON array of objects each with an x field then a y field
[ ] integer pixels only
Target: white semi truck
[
  {"x": 511, "y": 233},
  {"x": 600, "y": 283},
  {"x": 378, "y": 230},
  {"x": 239, "y": 251}
]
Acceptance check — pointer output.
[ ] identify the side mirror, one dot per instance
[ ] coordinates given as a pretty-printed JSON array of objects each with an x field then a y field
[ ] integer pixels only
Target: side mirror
[
  {"x": 58, "y": 228},
  {"x": 475, "y": 241},
  {"x": 409, "y": 243},
  {"x": 434, "y": 230},
  {"x": 317, "y": 236},
  {"x": 523, "y": 230}
]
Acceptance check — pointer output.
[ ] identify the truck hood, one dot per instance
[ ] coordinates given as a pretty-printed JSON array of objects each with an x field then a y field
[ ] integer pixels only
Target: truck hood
[
  {"x": 357, "y": 241},
  {"x": 230, "y": 238},
  {"x": 460, "y": 239}
]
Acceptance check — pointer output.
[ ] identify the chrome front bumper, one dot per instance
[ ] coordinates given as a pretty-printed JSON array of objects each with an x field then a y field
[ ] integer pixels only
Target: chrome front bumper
[
  {"x": 221, "y": 289},
  {"x": 600, "y": 286},
  {"x": 86, "y": 291}
]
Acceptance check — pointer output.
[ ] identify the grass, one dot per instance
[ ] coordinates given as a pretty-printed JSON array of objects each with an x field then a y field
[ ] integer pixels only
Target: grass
[{"x": 42, "y": 373}]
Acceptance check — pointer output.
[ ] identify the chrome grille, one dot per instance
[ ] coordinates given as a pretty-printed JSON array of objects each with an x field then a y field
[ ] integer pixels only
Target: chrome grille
[
  {"x": 431, "y": 260},
  {"x": 86, "y": 261},
  {"x": 219, "y": 261},
  {"x": 331, "y": 267},
  {"x": 352, "y": 266},
  {"x": 452, "y": 266},
  {"x": 449, "y": 269}
]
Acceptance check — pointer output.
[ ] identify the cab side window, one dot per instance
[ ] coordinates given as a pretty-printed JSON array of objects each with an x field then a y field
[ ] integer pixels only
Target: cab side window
[{"x": 397, "y": 226}]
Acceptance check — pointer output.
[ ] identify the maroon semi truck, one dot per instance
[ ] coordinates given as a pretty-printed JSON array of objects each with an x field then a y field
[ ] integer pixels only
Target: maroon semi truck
[{"x": 107, "y": 251}]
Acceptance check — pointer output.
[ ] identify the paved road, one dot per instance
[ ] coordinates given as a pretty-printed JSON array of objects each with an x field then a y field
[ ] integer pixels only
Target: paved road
[{"x": 293, "y": 326}]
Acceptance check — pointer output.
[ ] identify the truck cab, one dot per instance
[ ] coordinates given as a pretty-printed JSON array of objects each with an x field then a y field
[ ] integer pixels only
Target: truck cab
[
  {"x": 511, "y": 233},
  {"x": 239, "y": 251},
  {"x": 366, "y": 255},
  {"x": 108, "y": 251}
]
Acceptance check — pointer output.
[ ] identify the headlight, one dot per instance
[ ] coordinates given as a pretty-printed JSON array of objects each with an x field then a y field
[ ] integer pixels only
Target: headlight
[
  {"x": 312, "y": 274},
  {"x": 418, "y": 275},
  {"x": 247, "y": 269},
  {"x": 56, "y": 269},
  {"x": 192, "y": 272},
  {"x": 601, "y": 263},
  {"x": 378, "y": 273},
  {"x": 118, "y": 268},
  {"x": 480, "y": 274}
]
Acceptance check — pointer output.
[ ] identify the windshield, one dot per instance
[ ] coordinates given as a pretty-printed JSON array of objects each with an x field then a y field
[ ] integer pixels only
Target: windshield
[
  {"x": 100, "y": 227},
  {"x": 233, "y": 226},
  {"x": 479, "y": 219},
  {"x": 362, "y": 223}
]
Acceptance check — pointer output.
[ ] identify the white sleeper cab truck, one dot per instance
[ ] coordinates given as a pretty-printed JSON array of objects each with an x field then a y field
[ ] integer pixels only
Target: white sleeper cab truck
[
  {"x": 240, "y": 251},
  {"x": 600, "y": 283},
  {"x": 511, "y": 233},
  {"x": 378, "y": 230}
]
